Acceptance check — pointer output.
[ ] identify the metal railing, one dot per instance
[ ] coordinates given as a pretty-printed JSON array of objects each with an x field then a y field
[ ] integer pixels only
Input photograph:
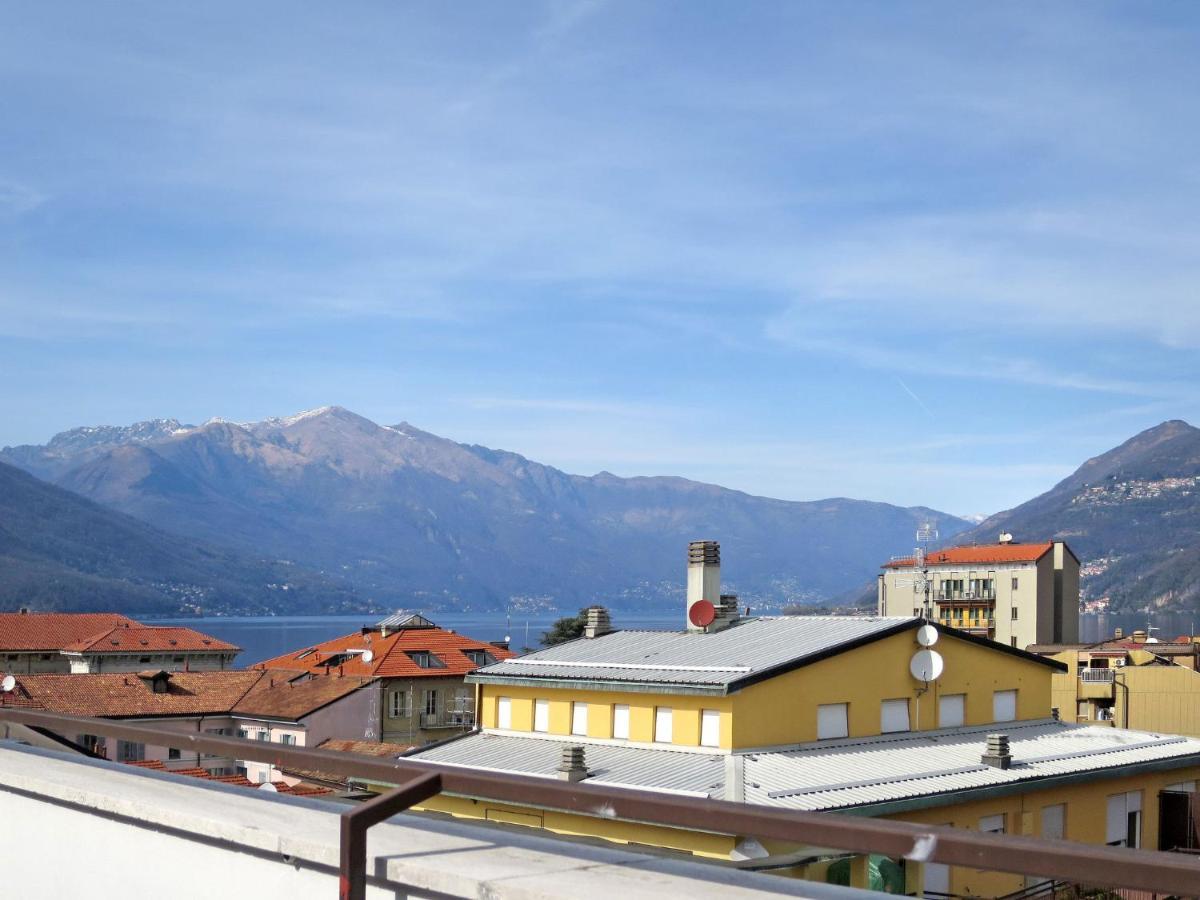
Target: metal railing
[
  {"x": 1111, "y": 867},
  {"x": 1097, "y": 676},
  {"x": 448, "y": 718}
]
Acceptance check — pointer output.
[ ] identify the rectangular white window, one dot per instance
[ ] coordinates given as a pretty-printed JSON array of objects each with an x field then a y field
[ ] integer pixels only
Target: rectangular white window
[
  {"x": 396, "y": 705},
  {"x": 1004, "y": 706},
  {"x": 1123, "y": 824},
  {"x": 952, "y": 710},
  {"x": 832, "y": 721},
  {"x": 1185, "y": 787},
  {"x": 621, "y": 722},
  {"x": 541, "y": 715},
  {"x": 893, "y": 716},
  {"x": 579, "y": 713},
  {"x": 710, "y": 728},
  {"x": 663, "y": 716},
  {"x": 992, "y": 824},
  {"x": 504, "y": 712},
  {"x": 1054, "y": 821}
]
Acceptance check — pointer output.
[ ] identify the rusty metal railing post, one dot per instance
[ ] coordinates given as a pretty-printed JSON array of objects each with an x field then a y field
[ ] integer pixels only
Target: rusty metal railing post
[{"x": 352, "y": 883}]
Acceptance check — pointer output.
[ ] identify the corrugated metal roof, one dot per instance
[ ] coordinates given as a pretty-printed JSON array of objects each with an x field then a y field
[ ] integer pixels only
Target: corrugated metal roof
[
  {"x": 677, "y": 771},
  {"x": 892, "y": 767},
  {"x": 675, "y": 657}
]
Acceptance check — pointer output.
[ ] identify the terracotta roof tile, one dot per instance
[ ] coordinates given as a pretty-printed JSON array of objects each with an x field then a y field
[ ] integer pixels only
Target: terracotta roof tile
[
  {"x": 148, "y": 639},
  {"x": 987, "y": 553},
  {"x": 377, "y": 749},
  {"x": 127, "y": 695},
  {"x": 283, "y": 694},
  {"x": 391, "y": 654},
  {"x": 53, "y": 631},
  {"x": 281, "y": 787}
]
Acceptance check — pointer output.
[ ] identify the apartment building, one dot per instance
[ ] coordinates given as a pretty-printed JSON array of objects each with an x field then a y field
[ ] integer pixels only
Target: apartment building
[
  {"x": 1013, "y": 593},
  {"x": 421, "y": 668},
  {"x": 82, "y": 643},
  {"x": 892, "y": 717}
]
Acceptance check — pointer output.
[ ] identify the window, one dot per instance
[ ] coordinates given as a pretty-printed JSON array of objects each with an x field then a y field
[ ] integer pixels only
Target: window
[
  {"x": 832, "y": 721},
  {"x": 992, "y": 824},
  {"x": 130, "y": 751},
  {"x": 173, "y": 753},
  {"x": 243, "y": 733},
  {"x": 94, "y": 744},
  {"x": 1123, "y": 826},
  {"x": 263, "y": 735},
  {"x": 579, "y": 713},
  {"x": 142, "y": 660},
  {"x": 1004, "y": 706},
  {"x": 893, "y": 716},
  {"x": 1054, "y": 821},
  {"x": 504, "y": 712},
  {"x": 1015, "y": 584},
  {"x": 663, "y": 719},
  {"x": 426, "y": 660},
  {"x": 480, "y": 657},
  {"x": 710, "y": 728},
  {"x": 1012, "y": 642},
  {"x": 397, "y": 705},
  {"x": 951, "y": 710},
  {"x": 621, "y": 722},
  {"x": 1185, "y": 787},
  {"x": 289, "y": 739},
  {"x": 1014, "y": 613},
  {"x": 541, "y": 715},
  {"x": 431, "y": 702}
]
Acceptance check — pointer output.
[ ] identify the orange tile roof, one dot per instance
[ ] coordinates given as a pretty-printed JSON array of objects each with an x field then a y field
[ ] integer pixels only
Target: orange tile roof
[
  {"x": 281, "y": 787},
  {"x": 377, "y": 749},
  {"x": 391, "y": 659},
  {"x": 983, "y": 554},
  {"x": 135, "y": 638},
  {"x": 53, "y": 631},
  {"x": 128, "y": 696},
  {"x": 280, "y": 694}
]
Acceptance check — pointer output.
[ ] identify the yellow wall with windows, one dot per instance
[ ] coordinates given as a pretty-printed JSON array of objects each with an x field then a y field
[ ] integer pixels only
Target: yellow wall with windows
[{"x": 783, "y": 710}]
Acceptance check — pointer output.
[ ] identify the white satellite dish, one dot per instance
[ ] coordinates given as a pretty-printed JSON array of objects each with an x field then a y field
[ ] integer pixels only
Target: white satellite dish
[
  {"x": 368, "y": 655},
  {"x": 927, "y": 635},
  {"x": 8, "y": 684},
  {"x": 926, "y": 665},
  {"x": 268, "y": 787}
]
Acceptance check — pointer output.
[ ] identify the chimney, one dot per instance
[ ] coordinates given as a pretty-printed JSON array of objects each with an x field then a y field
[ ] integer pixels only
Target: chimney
[
  {"x": 503, "y": 645},
  {"x": 997, "y": 754},
  {"x": 703, "y": 584},
  {"x": 1138, "y": 637},
  {"x": 1119, "y": 633},
  {"x": 727, "y": 611},
  {"x": 24, "y": 610},
  {"x": 598, "y": 622},
  {"x": 572, "y": 767}
]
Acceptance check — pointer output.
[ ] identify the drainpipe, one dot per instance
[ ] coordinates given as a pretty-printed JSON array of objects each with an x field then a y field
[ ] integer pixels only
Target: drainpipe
[{"x": 1125, "y": 688}]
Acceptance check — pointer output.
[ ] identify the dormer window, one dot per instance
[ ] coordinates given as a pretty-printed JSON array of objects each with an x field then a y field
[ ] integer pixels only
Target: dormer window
[
  {"x": 480, "y": 657},
  {"x": 426, "y": 660}
]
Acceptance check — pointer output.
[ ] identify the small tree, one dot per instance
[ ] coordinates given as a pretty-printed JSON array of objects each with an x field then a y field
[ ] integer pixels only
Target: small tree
[{"x": 568, "y": 628}]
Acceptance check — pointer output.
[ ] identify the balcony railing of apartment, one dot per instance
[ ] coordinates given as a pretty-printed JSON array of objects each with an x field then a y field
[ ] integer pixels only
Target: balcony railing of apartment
[
  {"x": 966, "y": 596},
  {"x": 1108, "y": 867},
  {"x": 448, "y": 718},
  {"x": 1097, "y": 676}
]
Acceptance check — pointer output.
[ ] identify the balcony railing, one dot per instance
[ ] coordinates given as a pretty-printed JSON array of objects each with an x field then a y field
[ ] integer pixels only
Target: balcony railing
[
  {"x": 1111, "y": 867},
  {"x": 1097, "y": 676},
  {"x": 448, "y": 718},
  {"x": 966, "y": 596}
]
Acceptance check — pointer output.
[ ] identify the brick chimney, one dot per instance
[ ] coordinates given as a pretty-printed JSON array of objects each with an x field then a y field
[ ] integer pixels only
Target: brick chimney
[
  {"x": 598, "y": 622},
  {"x": 703, "y": 584}
]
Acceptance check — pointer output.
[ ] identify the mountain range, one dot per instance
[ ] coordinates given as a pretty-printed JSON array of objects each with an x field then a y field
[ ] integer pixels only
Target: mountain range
[
  {"x": 394, "y": 515},
  {"x": 1132, "y": 516}
]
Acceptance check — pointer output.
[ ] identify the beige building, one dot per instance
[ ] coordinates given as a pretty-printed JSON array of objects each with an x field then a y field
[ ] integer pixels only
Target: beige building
[{"x": 1015, "y": 594}]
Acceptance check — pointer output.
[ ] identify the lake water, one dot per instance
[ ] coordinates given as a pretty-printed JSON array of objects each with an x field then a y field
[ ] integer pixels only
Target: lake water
[
  {"x": 1167, "y": 625},
  {"x": 263, "y": 637}
]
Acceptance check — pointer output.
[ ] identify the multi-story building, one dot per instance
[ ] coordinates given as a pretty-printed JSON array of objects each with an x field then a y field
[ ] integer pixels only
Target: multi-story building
[
  {"x": 1013, "y": 593},
  {"x": 892, "y": 717},
  {"x": 421, "y": 668},
  {"x": 81, "y": 643}
]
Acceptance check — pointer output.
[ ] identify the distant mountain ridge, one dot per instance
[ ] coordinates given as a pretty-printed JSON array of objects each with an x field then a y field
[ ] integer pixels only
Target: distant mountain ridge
[
  {"x": 409, "y": 518},
  {"x": 59, "y": 551},
  {"x": 1132, "y": 516}
]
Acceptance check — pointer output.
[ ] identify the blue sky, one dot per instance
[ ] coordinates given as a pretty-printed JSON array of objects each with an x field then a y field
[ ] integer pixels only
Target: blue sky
[{"x": 932, "y": 253}]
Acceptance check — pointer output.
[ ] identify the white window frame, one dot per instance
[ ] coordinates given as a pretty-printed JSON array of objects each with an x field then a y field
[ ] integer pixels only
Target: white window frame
[
  {"x": 664, "y": 722},
  {"x": 833, "y": 721},
  {"x": 579, "y": 718},
  {"x": 1004, "y": 706},
  {"x": 541, "y": 716},
  {"x": 396, "y": 704},
  {"x": 504, "y": 713},
  {"x": 621, "y": 721},
  {"x": 710, "y": 728},
  {"x": 952, "y": 710},
  {"x": 893, "y": 716}
]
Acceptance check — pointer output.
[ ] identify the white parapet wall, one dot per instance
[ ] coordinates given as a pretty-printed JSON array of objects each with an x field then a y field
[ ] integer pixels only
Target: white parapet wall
[{"x": 85, "y": 828}]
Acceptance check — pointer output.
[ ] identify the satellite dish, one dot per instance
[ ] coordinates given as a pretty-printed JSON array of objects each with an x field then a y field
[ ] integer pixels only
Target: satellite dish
[
  {"x": 8, "y": 684},
  {"x": 926, "y": 665},
  {"x": 368, "y": 655},
  {"x": 268, "y": 787},
  {"x": 702, "y": 613},
  {"x": 927, "y": 635}
]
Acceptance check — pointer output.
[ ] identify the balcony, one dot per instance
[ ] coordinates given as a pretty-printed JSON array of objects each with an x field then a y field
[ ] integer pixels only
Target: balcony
[
  {"x": 969, "y": 598},
  {"x": 1097, "y": 676},
  {"x": 159, "y": 831},
  {"x": 448, "y": 718}
]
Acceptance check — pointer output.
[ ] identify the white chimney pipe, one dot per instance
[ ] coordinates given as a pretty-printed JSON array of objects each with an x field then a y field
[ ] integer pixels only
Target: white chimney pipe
[{"x": 703, "y": 584}]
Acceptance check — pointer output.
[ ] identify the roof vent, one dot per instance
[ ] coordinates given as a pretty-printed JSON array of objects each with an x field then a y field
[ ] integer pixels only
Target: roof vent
[
  {"x": 997, "y": 754},
  {"x": 598, "y": 622},
  {"x": 572, "y": 767}
]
